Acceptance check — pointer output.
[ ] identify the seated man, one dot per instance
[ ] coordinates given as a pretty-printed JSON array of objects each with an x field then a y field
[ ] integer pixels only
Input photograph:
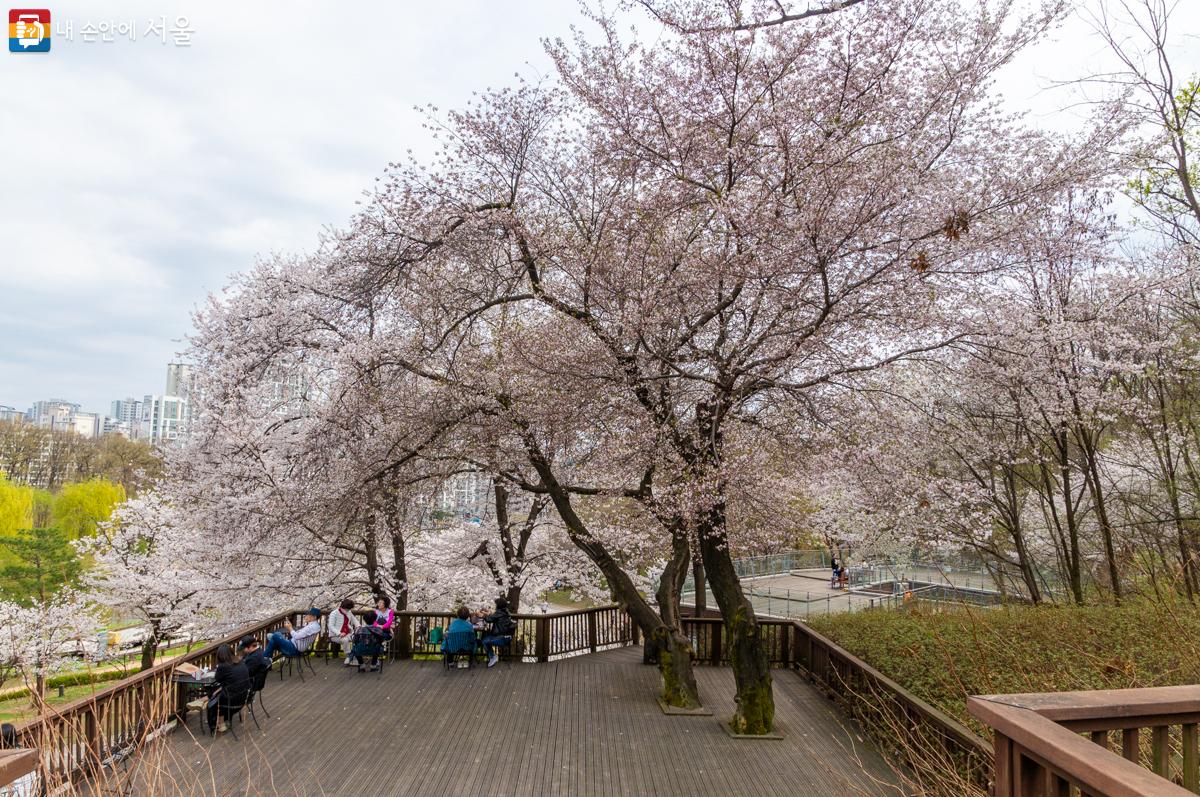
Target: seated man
[
  {"x": 294, "y": 641},
  {"x": 255, "y": 660},
  {"x": 460, "y": 636},
  {"x": 502, "y": 629},
  {"x": 368, "y": 641}
]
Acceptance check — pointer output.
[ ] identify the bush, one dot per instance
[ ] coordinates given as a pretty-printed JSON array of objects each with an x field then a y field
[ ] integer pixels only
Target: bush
[{"x": 944, "y": 656}]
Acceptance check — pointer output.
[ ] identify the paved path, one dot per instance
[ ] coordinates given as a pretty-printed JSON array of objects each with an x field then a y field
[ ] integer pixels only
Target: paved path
[{"x": 587, "y": 725}]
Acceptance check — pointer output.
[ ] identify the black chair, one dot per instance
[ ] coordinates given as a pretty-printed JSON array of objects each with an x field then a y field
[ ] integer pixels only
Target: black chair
[
  {"x": 301, "y": 659},
  {"x": 257, "y": 684},
  {"x": 458, "y": 644},
  {"x": 231, "y": 710}
]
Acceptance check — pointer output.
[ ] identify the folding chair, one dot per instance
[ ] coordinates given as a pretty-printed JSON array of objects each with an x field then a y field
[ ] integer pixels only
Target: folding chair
[
  {"x": 435, "y": 637},
  {"x": 301, "y": 659},
  {"x": 459, "y": 643}
]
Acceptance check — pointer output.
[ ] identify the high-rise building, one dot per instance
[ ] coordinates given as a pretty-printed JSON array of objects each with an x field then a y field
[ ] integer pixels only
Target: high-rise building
[
  {"x": 127, "y": 411},
  {"x": 164, "y": 418},
  {"x": 179, "y": 380},
  {"x": 88, "y": 424},
  {"x": 10, "y": 414},
  {"x": 111, "y": 425},
  {"x": 56, "y": 414},
  {"x": 465, "y": 495}
]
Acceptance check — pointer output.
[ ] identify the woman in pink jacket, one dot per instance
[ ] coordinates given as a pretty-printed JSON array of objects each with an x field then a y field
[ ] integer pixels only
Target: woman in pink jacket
[{"x": 384, "y": 615}]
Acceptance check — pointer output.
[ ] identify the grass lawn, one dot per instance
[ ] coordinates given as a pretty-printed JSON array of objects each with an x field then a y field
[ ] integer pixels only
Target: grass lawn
[
  {"x": 15, "y": 705},
  {"x": 19, "y": 709},
  {"x": 944, "y": 656},
  {"x": 561, "y": 598}
]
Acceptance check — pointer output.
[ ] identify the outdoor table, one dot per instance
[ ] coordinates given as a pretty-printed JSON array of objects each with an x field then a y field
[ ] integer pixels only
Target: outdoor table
[{"x": 189, "y": 685}]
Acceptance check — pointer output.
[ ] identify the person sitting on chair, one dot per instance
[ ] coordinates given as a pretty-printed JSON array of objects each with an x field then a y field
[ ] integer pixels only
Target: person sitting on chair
[
  {"x": 232, "y": 680},
  {"x": 368, "y": 641},
  {"x": 342, "y": 624},
  {"x": 255, "y": 661},
  {"x": 384, "y": 616},
  {"x": 501, "y": 632},
  {"x": 462, "y": 633},
  {"x": 294, "y": 641}
]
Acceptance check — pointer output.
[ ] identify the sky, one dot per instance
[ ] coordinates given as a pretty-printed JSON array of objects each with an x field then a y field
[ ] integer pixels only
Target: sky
[{"x": 138, "y": 175}]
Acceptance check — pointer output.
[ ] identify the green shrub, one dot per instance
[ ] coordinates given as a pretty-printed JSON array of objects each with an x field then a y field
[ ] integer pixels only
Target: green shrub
[{"x": 944, "y": 656}]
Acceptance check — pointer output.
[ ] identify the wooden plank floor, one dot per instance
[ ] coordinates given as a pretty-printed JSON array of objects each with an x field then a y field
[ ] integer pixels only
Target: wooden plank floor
[{"x": 582, "y": 726}]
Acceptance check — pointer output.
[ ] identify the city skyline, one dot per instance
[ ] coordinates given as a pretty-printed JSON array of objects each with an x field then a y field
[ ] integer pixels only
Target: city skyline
[{"x": 104, "y": 407}]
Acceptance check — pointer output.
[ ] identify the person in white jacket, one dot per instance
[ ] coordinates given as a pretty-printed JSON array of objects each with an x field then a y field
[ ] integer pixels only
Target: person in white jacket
[{"x": 341, "y": 625}]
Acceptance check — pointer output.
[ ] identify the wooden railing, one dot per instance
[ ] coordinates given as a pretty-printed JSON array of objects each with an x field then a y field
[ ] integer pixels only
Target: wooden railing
[
  {"x": 80, "y": 738},
  {"x": 909, "y": 728},
  {"x": 1041, "y": 749},
  {"x": 539, "y": 637},
  {"x": 707, "y": 635}
]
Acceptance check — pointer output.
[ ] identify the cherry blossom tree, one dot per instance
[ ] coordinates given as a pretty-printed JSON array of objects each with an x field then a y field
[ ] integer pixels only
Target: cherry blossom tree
[
  {"x": 725, "y": 220},
  {"x": 150, "y": 564},
  {"x": 40, "y": 639}
]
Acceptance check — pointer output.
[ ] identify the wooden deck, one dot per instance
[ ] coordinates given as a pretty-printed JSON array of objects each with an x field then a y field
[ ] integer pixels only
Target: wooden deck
[{"x": 587, "y": 725}]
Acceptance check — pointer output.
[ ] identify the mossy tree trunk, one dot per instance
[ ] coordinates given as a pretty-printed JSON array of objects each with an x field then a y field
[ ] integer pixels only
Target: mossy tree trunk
[
  {"x": 671, "y": 645},
  {"x": 755, "y": 712},
  {"x": 674, "y": 651}
]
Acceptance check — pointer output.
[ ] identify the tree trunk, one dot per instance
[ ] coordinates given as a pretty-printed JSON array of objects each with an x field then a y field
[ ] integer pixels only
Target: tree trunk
[
  {"x": 1074, "y": 557},
  {"x": 393, "y": 521},
  {"x": 701, "y": 600},
  {"x": 755, "y": 712},
  {"x": 673, "y": 649},
  {"x": 371, "y": 548},
  {"x": 1017, "y": 532},
  {"x": 1092, "y": 480},
  {"x": 149, "y": 650},
  {"x": 679, "y": 685},
  {"x": 150, "y": 645}
]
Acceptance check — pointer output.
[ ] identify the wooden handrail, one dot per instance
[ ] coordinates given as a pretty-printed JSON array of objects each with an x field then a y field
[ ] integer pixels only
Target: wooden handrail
[
  {"x": 16, "y": 764},
  {"x": 80, "y": 737},
  {"x": 928, "y": 713},
  {"x": 1035, "y": 755},
  {"x": 56, "y": 712},
  {"x": 1111, "y": 709}
]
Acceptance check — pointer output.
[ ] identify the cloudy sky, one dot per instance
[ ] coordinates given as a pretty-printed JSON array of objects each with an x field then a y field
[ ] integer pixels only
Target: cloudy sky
[{"x": 138, "y": 175}]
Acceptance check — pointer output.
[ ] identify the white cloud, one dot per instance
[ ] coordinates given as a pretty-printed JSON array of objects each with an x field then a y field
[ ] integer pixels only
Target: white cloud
[{"x": 138, "y": 176}]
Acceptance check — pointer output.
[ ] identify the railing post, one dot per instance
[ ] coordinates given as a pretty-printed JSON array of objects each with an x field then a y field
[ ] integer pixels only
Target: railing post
[
  {"x": 718, "y": 630},
  {"x": 591, "y": 630},
  {"x": 402, "y": 639},
  {"x": 1191, "y": 771},
  {"x": 1003, "y": 783},
  {"x": 542, "y": 638},
  {"x": 91, "y": 730}
]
